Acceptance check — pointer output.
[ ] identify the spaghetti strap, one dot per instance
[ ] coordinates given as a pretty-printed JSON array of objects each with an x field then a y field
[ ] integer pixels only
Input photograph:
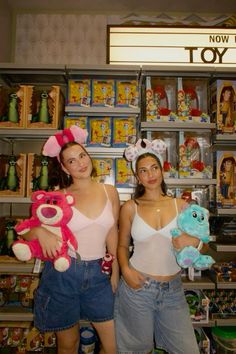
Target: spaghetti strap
[
  {"x": 105, "y": 191},
  {"x": 176, "y": 207},
  {"x": 64, "y": 190}
]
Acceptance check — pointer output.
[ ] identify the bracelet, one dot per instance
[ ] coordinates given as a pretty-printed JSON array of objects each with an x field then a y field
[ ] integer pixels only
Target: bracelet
[{"x": 200, "y": 245}]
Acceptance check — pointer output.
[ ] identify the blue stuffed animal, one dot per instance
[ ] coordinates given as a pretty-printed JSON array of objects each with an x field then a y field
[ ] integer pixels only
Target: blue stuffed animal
[{"x": 194, "y": 221}]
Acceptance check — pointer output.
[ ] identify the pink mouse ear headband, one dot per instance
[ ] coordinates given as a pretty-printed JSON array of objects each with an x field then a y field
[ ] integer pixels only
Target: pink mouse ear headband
[
  {"x": 53, "y": 145},
  {"x": 143, "y": 146}
]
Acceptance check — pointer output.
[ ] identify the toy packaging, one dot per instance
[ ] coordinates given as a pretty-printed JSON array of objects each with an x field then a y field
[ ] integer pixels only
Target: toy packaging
[
  {"x": 223, "y": 105},
  {"x": 38, "y": 175},
  {"x": 192, "y": 100},
  {"x": 202, "y": 340},
  {"x": 79, "y": 93},
  {"x": 198, "y": 306},
  {"x": 170, "y": 156},
  {"x": 44, "y": 107},
  {"x": 105, "y": 170},
  {"x": 80, "y": 121},
  {"x": 124, "y": 175},
  {"x": 124, "y": 131},
  {"x": 199, "y": 194},
  {"x": 195, "y": 157},
  {"x": 127, "y": 93},
  {"x": 103, "y": 93},
  {"x": 12, "y": 175},
  {"x": 226, "y": 179},
  {"x": 12, "y": 106},
  {"x": 100, "y": 131},
  {"x": 160, "y": 99}
]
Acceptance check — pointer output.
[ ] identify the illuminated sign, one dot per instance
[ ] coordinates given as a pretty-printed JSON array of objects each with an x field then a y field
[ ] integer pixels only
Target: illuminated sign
[{"x": 166, "y": 45}]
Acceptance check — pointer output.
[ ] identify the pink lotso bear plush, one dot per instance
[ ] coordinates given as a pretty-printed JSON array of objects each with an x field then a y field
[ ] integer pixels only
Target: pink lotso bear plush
[{"x": 53, "y": 211}]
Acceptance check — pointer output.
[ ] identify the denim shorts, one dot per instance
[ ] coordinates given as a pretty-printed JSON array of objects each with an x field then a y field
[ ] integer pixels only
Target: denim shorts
[
  {"x": 157, "y": 312},
  {"x": 64, "y": 298}
]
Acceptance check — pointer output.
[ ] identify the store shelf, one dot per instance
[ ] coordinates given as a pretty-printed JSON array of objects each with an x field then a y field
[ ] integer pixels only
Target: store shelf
[
  {"x": 15, "y": 313},
  {"x": 226, "y": 285},
  {"x": 105, "y": 151},
  {"x": 12, "y": 74},
  {"x": 10, "y": 265},
  {"x": 226, "y": 321},
  {"x": 23, "y": 133},
  {"x": 225, "y": 211},
  {"x": 176, "y": 126},
  {"x": 202, "y": 282},
  {"x": 190, "y": 181},
  {"x": 91, "y": 111},
  {"x": 128, "y": 71},
  {"x": 223, "y": 247}
]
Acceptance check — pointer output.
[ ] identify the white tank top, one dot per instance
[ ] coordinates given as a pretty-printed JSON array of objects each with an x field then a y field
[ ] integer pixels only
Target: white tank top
[{"x": 153, "y": 250}]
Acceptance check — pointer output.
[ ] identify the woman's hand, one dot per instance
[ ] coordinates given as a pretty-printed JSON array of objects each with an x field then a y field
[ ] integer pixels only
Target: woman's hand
[
  {"x": 133, "y": 278},
  {"x": 184, "y": 240},
  {"x": 49, "y": 242}
]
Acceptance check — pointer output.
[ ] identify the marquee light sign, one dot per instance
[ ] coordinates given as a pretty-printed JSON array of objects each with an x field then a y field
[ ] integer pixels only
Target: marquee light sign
[{"x": 164, "y": 45}]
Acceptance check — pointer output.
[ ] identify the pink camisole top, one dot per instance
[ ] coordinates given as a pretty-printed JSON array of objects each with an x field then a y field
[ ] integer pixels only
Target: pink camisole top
[{"x": 90, "y": 233}]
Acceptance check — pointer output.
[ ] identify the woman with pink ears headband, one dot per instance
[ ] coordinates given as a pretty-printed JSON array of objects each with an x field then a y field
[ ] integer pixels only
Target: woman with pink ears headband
[
  {"x": 150, "y": 306},
  {"x": 86, "y": 290}
]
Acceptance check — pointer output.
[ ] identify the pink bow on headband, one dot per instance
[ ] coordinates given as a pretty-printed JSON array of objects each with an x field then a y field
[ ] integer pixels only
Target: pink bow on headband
[
  {"x": 143, "y": 146},
  {"x": 53, "y": 145}
]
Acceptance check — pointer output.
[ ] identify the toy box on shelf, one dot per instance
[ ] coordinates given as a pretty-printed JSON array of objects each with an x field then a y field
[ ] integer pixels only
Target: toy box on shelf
[
  {"x": 79, "y": 93},
  {"x": 124, "y": 176},
  {"x": 38, "y": 176},
  {"x": 198, "y": 306},
  {"x": 100, "y": 131},
  {"x": 226, "y": 179},
  {"x": 160, "y": 99},
  {"x": 7, "y": 236},
  {"x": 224, "y": 272},
  {"x": 12, "y": 175},
  {"x": 223, "y": 105},
  {"x": 44, "y": 107},
  {"x": 199, "y": 194},
  {"x": 221, "y": 303},
  {"x": 195, "y": 157},
  {"x": 124, "y": 131},
  {"x": 80, "y": 121},
  {"x": 202, "y": 340},
  {"x": 170, "y": 157},
  {"x": 105, "y": 170},
  {"x": 127, "y": 93},
  {"x": 12, "y": 106},
  {"x": 103, "y": 93},
  {"x": 192, "y": 102}
]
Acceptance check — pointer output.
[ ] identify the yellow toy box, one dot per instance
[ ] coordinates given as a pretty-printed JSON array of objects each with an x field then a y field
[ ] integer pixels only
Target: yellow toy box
[
  {"x": 103, "y": 93},
  {"x": 127, "y": 93},
  {"x": 79, "y": 93},
  {"x": 105, "y": 170},
  {"x": 100, "y": 131},
  {"x": 124, "y": 131}
]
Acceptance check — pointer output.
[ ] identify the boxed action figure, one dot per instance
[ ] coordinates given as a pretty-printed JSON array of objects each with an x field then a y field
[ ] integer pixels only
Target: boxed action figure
[
  {"x": 192, "y": 100},
  {"x": 127, "y": 93},
  {"x": 103, "y": 93},
  {"x": 100, "y": 131},
  {"x": 195, "y": 157},
  {"x": 160, "y": 99},
  {"x": 124, "y": 131},
  {"x": 105, "y": 170},
  {"x": 223, "y": 105},
  {"x": 124, "y": 176},
  {"x": 226, "y": 179},
  {"x": 79, "y": 93}
]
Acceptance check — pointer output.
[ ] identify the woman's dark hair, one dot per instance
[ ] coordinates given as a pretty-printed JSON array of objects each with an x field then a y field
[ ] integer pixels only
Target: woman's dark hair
[
  {"x": 140, "y": 189},
  {"x": 57, "y": 176}
]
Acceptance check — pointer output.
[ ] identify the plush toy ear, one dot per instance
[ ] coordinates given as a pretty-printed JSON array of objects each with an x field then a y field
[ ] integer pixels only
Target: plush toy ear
[
  {"x": 70, "y": 199},
  {"x": 38, "y": 195}
]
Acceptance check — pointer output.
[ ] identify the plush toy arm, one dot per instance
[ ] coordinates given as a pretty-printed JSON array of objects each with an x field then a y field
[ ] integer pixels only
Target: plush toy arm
[
  {"x": 26, "y": 225},
  {"x": 175, "y": 232}
]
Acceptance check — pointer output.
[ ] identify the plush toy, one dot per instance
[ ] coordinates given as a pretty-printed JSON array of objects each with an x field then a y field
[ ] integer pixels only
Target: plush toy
[
  {"x": 193, "y": 220},
  {"x": 107, "y": 263},
  {"x": 53, "y": 211}
]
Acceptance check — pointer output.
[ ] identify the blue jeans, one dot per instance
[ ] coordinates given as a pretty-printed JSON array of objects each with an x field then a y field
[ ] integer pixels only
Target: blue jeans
[
  {"x": 81, "y": 292},
  {"x": 157, "y": 311}
]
